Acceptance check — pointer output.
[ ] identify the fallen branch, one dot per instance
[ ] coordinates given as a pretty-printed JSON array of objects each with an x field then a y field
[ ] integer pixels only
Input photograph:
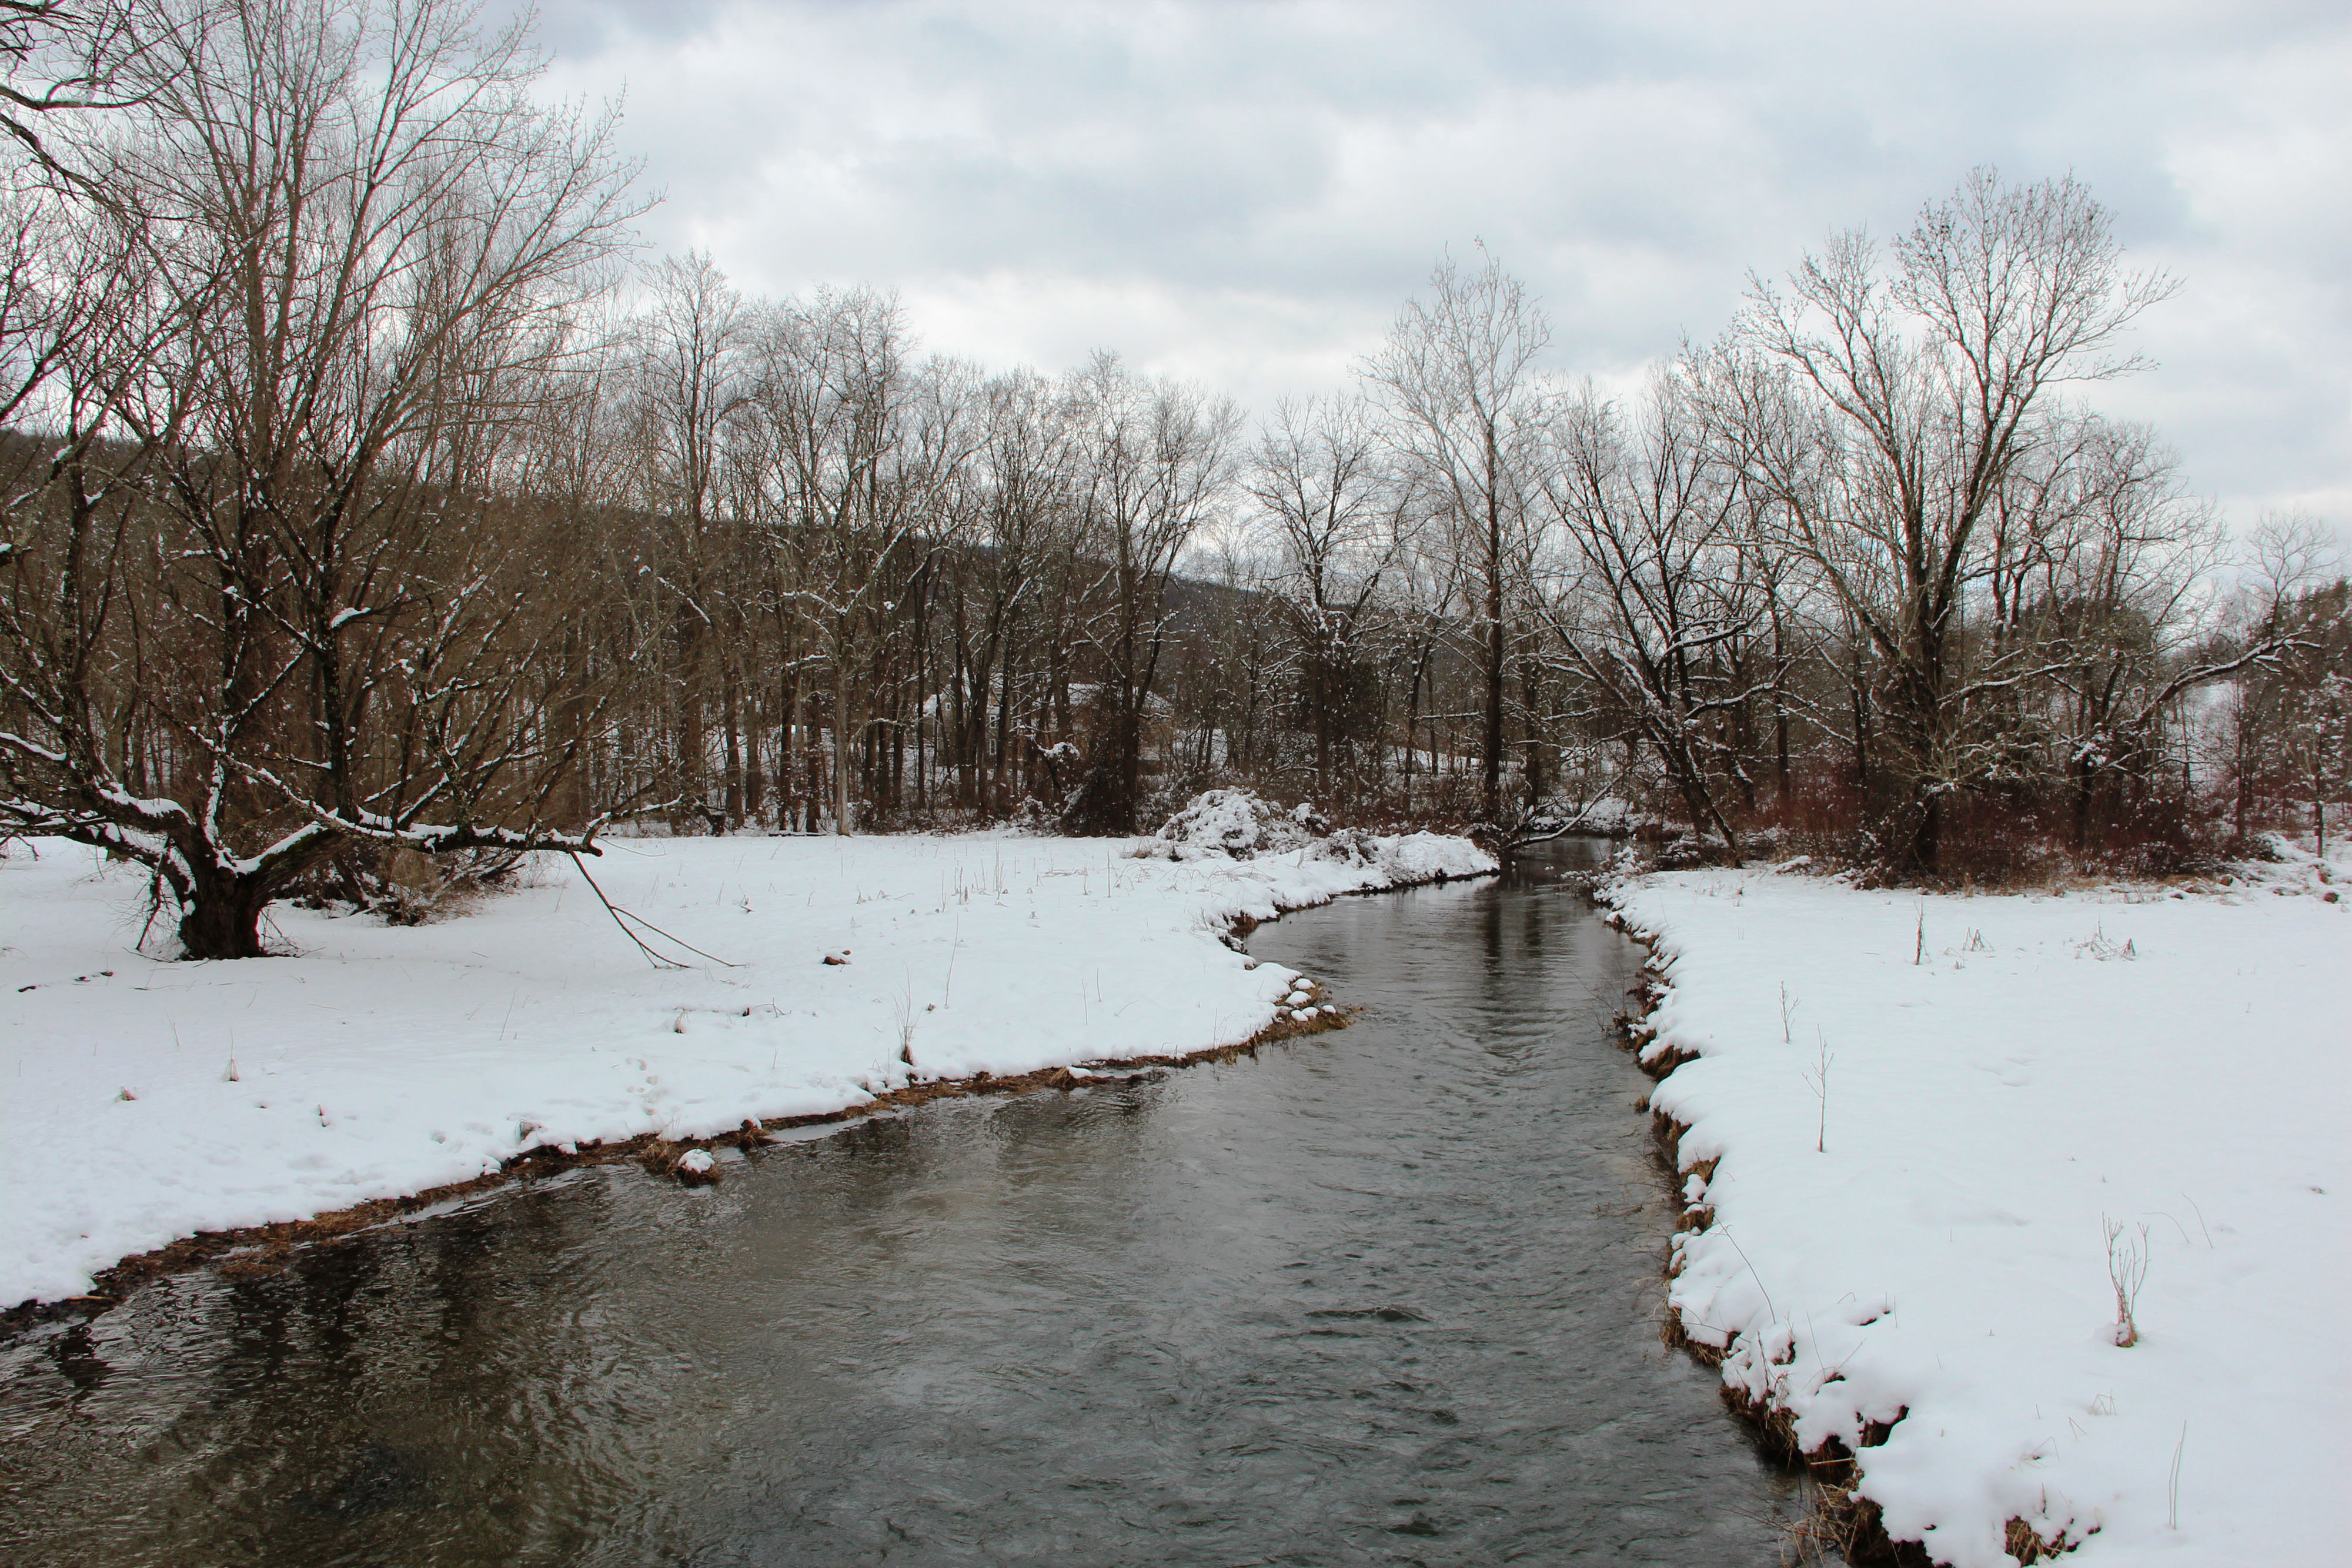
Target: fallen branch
[{"x": 622, "y": 917}]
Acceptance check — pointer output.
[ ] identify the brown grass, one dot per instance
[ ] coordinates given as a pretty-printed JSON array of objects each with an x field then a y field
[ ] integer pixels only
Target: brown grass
[{"x": 2021, "y": 1542}]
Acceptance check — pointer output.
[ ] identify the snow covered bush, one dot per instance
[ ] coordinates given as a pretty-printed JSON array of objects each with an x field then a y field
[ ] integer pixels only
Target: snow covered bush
[
  {"x": 1348, "y": 846},
  {"x": 1233, "y": 824}
]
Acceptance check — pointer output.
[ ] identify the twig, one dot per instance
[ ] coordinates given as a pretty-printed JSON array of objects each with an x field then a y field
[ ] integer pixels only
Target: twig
[
  {"x": 2201, "y": 1219},
  {"x": 154, "y": 908},
  {"x": 2127, "y": 1269},
  {"x": 1752, "y": 1274},
  {"x": 1820, "y": 1079},
  {"x": 902, "y": 1007},
  {"x": 2172, "y": 1486}
]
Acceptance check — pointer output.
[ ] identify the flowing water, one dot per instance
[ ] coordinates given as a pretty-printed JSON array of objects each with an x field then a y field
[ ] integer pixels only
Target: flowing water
[{"x": 1387, "y": 1295}]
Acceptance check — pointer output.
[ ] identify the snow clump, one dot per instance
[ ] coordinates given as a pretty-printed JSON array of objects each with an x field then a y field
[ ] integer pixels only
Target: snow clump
[{"x": 1233, "y": 824}]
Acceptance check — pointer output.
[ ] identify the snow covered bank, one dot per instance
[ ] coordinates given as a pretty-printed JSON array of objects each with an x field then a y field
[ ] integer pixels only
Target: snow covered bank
[
  {"x": 2050, "y": 1067},
  {"x": 148, "y": 1101}
]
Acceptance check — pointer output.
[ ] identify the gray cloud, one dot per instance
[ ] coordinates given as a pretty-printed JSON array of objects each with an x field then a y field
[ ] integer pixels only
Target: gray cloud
[{"x": 1244, "y": 191}]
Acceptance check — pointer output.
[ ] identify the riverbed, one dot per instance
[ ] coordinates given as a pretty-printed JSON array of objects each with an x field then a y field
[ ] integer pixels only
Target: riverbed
[{"x": 1387, "y": 1294}]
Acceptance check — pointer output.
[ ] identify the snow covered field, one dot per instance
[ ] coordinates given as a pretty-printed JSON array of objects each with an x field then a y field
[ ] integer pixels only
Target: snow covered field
[
  {"x": 2180, "y": 1066},
  {"x": 148, "y": 1100}
]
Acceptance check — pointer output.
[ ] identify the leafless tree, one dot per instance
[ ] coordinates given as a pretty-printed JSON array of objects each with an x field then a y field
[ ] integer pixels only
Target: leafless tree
[
  {"x": 2280, "y": 736},
  {"x": 1156, "y": 460},
  {"x": 691, "y": 352},
  {"x": 863, "y": 443},
  {"x": 1458, "y": 377},
  {"x": 1338, "y": 517},
  {"x": 1026, "y": 466},
  {"x": 1915, "y": 384},
  {"x": 1658, "y": 588},
  {"x": 366, "y": 238},
  {"x": 2099, "y": 570}
]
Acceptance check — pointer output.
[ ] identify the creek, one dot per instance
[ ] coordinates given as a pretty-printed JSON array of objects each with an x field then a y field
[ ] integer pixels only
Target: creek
[{"x": 1386, "y": 1295}]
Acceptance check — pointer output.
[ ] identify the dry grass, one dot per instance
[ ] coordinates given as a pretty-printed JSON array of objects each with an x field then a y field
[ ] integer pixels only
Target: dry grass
[{"x": 2021, "y": 1541}]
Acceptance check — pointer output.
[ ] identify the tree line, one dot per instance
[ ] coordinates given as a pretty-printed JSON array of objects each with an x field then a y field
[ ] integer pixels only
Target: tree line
[{"x": 368, "y": 498}]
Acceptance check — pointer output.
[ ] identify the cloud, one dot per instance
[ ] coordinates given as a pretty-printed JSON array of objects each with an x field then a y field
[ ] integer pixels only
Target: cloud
[{"x": 1243, "y": 193}]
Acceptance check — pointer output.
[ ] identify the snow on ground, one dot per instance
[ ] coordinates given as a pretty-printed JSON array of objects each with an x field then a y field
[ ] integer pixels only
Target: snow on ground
[
  {"x": 2176, "y": 1061},
  {"x": 150, "y": 1100}
]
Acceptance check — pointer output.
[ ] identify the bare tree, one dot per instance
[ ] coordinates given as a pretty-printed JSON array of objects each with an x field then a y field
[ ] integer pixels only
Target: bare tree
[
  {"x": 80, "y": 327},
  {"x": 1657, "y": 590},
  {"x": 1027, "y": 464},
  {"x": 1339, "y": 517},
  {"x": 863, "y": 447},
  {"x": 2099, "y": 569},
  {"x": 2280, "y": 735},
  {"x": 1916, "y": 388},
  {"x": 691, "y": 345},
  {"x": 366, "y": 238},
  {"x": 1157, "y": 459},
  {"x": 1458, "y": 378}
]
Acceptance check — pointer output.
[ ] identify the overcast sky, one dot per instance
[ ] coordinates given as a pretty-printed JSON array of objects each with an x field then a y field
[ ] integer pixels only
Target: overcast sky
[{"x": 1243, "y": 194}]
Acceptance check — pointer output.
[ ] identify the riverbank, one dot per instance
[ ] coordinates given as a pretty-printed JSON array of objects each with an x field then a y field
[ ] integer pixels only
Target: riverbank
[
  {"x": 1232, "y": 1314},
  {"x": 153, "y": 1100},
  {"x": 1909, "y": 1128}
]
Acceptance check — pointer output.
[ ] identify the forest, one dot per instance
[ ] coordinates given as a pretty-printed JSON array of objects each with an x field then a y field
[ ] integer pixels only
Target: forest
[{"x": 374, "y": 500}]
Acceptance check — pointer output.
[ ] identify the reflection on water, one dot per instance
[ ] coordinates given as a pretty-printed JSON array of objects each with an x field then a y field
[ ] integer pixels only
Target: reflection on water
[{"x": 1386, "y": 1295}]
